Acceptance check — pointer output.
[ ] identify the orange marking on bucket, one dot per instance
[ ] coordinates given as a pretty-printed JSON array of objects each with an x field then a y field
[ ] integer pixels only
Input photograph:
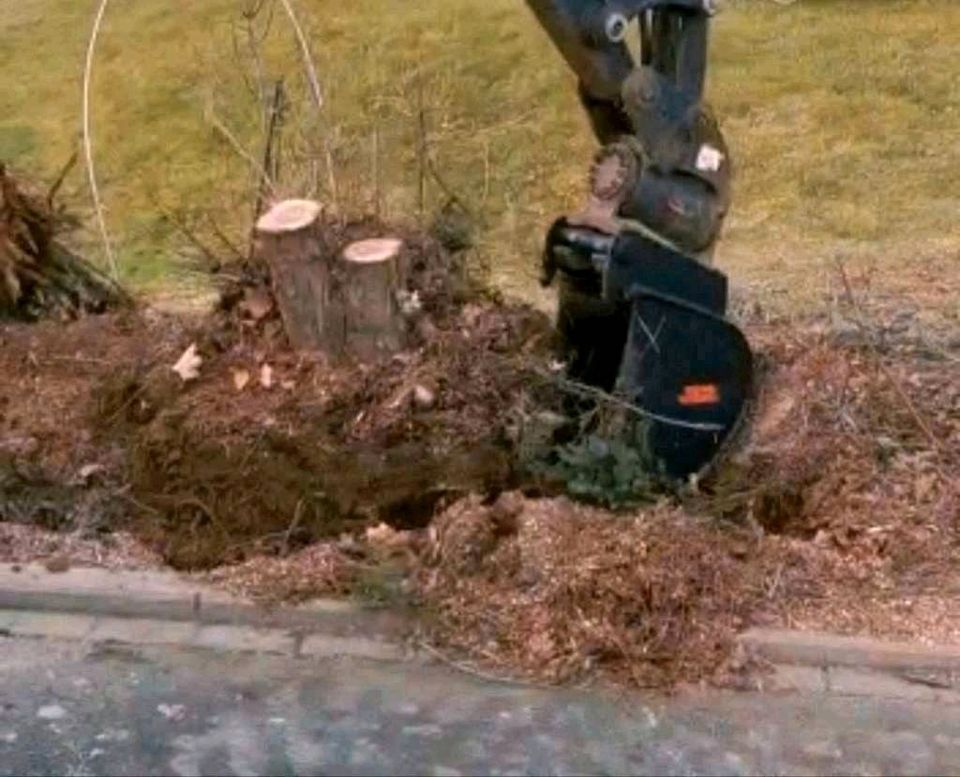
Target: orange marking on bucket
[{"x": 699, "y": 394}]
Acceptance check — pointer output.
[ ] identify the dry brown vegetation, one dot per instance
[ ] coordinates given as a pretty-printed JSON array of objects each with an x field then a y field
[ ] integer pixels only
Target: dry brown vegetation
[{"x": 294, "y": 477}]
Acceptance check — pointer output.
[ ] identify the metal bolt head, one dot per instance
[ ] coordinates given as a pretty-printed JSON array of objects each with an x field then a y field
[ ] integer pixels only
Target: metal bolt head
[{"x": 615, "y": 27}]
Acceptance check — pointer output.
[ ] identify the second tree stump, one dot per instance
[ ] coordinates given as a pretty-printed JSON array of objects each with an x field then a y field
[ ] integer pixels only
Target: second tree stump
[{"x": 369, "y": 282}]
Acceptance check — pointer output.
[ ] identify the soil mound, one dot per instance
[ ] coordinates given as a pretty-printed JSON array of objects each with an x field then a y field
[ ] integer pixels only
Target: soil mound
[{"x": 291, "y": 476}]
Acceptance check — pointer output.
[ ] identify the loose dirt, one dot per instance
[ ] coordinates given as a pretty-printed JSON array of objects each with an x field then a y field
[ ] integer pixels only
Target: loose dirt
[
  {"x": 266, "y": 450},
  {"x": 837, "y": 512},
  {"x": 284, "y": 477}
]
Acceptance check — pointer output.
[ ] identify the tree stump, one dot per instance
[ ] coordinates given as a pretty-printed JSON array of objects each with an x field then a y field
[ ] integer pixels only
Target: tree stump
[
  {"x": 292, "y": 245},
  {"x": 340, "y": 304},
  {"x": 369, "y": 282}
]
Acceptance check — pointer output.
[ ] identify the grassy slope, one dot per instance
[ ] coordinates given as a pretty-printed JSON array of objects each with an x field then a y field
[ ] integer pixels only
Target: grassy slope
[{"x": 842, "y": 114}]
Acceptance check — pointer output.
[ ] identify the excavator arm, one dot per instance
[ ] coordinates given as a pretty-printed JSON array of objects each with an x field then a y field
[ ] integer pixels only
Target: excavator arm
[
  {"x": 681, "y": 182},
  {"x": 641, "y": 309}
]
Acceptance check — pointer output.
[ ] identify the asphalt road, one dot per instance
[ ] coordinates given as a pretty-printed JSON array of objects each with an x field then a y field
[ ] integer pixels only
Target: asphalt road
[{"x": 73, "y": 709}]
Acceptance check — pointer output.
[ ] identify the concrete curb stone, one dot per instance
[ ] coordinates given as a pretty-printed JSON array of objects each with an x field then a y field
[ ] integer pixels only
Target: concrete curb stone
[
  {"x": 824, "y": 650},
  {"x": 170, "y": 596},
  {"x": 141, "y": 607},
  {"x": 163, "y": 608}
]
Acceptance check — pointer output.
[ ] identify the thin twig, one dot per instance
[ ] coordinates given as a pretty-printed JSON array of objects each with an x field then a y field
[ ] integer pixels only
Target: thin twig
[
  {"x": 88, "y": 140},
  {"x": 375, "y": 172},
  {"x": 181, "y": 226},
  {"x": 238, "y": 147},
  {"x": 308, "y": 65},
  {"x": 897, "y": 386},
  {"x": 75, "y": 359},
  {"x": 426, "y": 163},
  {"x": 250, "y": 17},
  {"x": 421, "y": 152},
  {"x": 134, "y": 395},
  {"x": 452, "y": 196},
  {"x": 241, "y": 68},
  {"x": 467, "y": 669},
  {"x": 227, "y": 242},
  {"x": 273, "y": 128},
  {"x": 314, "y": 82},
  {"x": 297, "y": 515},
  {"x": 486, "y": 171},
  {"x": 64, "y": 172},
  {"x": 594, "y": 393}
]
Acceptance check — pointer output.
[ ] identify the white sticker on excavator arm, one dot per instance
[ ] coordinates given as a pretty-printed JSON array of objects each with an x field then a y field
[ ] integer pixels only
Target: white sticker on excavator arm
[{"x": 709, "y": 158}]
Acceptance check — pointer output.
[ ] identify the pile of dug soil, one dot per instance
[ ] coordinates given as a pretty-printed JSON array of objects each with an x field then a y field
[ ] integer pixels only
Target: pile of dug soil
[
  {"x": 266, "y": 450},
  {"x": 838, "y": 512},
  {"x": 291, "y": 477}
]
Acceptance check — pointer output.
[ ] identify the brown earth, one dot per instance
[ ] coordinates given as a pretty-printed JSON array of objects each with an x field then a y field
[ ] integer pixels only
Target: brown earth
[
  {"x": 290, "y": 477},
  {"x": 266, "y": 450},
  {"x": 839, "y": 511}
]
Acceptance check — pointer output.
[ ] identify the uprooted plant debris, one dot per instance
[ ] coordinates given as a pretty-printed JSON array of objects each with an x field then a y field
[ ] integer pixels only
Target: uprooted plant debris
[
  {"x": 249, "y": 447},
  {"x": 39, "y": 276},
  {"x": 289, "y": 477},
  {"x": 838, "y": 512}
]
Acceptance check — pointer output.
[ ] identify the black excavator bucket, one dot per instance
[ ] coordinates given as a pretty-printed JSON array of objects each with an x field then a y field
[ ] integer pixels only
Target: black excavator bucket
[
  {"x": 685, "y": 368},
  {"x": 690, "y": 372}
]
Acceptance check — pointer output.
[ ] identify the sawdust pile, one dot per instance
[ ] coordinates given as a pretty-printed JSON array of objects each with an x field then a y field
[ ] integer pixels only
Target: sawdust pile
[
  {"x": 855, "y": 462},
  {"x": 59, "y": 550},
  {"x": 560, "y": 590},
  {"x": 319, "y": 570},
  {"x": 847, "y": 443},
  {"x": 838, "y": 511}
]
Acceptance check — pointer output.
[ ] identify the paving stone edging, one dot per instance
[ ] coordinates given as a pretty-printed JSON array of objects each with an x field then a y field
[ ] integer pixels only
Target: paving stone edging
[
  {"x": 782, "y": 646},
  {"x": 164, "y": 608}
]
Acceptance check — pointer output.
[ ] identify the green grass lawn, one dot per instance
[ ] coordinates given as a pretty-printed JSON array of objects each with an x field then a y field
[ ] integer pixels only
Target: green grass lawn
[{"x": 843, "y": 116}]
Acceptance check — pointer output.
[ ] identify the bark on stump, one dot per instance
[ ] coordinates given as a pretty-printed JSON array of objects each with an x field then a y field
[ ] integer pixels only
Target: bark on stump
[
  {"x": 369, "y": 283},
  {"x": 339, "y": 304},
  {"x": 292, "y": 246}
]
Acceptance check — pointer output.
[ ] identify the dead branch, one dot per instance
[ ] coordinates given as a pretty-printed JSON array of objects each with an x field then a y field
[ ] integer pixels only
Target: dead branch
[
  {"x": 421, "y": 152},
  {"x": 469, "y": 670},
  {"x": 39, "y": 276},
  {"x": 224, "y": 240},
  {"x": 313, "y": 80},
  {"x": 58, "y": 182},
  {"x": 427, "y": 165},
  {"x": 270, "y": 158},
  {"x": 254, "y": 41},
  {"x": 869, "y": 338},
  {"x": 181, "y": 226},
  {"x": 239, "y": 148},
  {"x": 375, "y": 171}
]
